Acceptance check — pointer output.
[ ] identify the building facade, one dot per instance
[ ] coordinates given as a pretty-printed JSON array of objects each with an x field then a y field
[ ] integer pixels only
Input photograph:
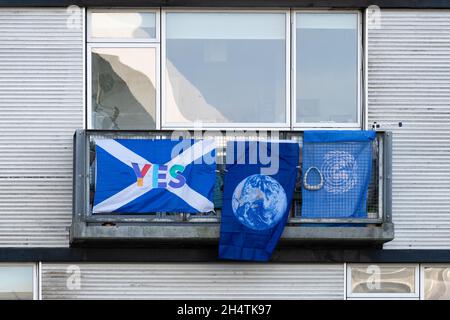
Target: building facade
[{"x": 156, "y": 66}]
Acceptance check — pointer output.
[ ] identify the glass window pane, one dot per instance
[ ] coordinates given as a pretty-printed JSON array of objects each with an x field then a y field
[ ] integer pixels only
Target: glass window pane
[
  {"x": 437, "y": 283},
  {"x": 383, "y": 279},
  {"x": 326, "y": 68},
  {"x": 225, "y": 68},
  {"x": 123, "y": 88},
  {"x": 16, "y": 282},
  {"x": 126, "y": 25}
]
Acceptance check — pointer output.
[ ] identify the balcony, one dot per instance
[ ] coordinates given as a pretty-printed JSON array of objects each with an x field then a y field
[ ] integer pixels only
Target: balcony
[{"x": 159, "y": 228}]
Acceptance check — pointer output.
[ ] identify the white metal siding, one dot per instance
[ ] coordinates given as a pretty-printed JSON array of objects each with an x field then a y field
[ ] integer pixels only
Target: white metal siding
[
  {"x": 409, "y": 81},
  {"x": 196, "y": 281},
  {"x": 41, "y": 104}
]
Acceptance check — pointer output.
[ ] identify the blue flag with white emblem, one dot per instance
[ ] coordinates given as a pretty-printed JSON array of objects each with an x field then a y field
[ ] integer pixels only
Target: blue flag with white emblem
[
  {"x": 259, "y": 186},
  {"x": 145, "y": 176},
  {"x": 336, "y": 171}
]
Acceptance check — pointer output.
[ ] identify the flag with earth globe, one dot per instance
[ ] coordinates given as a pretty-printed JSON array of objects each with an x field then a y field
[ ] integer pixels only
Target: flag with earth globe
[{"x": 256, "y": 204}]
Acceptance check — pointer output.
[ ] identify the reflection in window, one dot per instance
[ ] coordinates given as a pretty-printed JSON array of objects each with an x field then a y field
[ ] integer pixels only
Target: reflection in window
[
  {"x": 16, "y": 282},
  {"x": 123, "y": 25},
  {"x": 123, "y": 88},
  {"x": 437, "y": 283},
  {"x": 326, "y": 67},
  {"x": 225, "y": 68},
  {"x": 385, "y": 279}
]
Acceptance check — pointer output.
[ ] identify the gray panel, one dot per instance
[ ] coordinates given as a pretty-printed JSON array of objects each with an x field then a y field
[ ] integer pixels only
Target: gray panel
[
  {"x": 41, "y": 105},
  {"x": 196, "y": 281},
  {"x": 409, "y": 82}
]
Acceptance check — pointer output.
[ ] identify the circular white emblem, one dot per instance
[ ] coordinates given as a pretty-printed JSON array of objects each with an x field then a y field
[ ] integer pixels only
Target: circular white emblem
[{"x": 339, "y": 170}]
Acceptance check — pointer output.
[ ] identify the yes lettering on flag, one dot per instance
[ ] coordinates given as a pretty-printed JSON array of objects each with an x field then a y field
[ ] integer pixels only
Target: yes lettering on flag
[{"x": 141, "y": 176}]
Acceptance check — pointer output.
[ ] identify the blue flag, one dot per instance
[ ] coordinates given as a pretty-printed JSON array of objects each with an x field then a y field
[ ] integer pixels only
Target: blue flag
[
  {"x": 256, "y": 200},
  {"x": 145, "y": 176},
  {"x": 336, "y": 171}
]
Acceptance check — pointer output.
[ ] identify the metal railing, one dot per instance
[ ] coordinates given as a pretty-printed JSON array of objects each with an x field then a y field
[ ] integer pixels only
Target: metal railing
[{"x": 378, "y": 199}]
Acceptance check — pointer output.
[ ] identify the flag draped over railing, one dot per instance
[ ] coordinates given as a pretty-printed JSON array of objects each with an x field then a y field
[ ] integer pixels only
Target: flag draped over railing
[
  {"x": 336, "y": 167},
  {"x": 144, "y": 176},
  {"x": 256, "y": 205}
]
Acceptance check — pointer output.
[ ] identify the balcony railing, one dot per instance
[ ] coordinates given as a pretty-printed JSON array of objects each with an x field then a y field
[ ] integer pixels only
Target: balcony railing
[{"x": 377, "y": 227}]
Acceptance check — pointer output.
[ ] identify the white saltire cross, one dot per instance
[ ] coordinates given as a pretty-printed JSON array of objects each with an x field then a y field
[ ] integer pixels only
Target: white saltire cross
[{"x": 125, "y": 155}]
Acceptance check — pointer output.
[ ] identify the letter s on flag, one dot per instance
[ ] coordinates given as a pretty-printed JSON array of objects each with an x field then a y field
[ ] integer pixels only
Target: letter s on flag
[{"x": 176, "y": 173}]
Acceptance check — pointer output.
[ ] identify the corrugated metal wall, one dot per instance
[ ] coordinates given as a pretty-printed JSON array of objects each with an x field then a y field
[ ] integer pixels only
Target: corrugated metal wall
[
  {"x": 409, "y": 82},
  {"x": 195, "y": 281},
  {"x": 41, "y": 104}
]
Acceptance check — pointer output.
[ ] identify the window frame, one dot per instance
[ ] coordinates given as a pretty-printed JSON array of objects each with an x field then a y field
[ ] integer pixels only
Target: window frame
[
  {"x": 159, "y": 41},
  {"x": 115, "y": 45},
  {"x": 157, "y": 12},
  {"x": 331, "y": 125},
  {"x": 236, "y": 125},
  {"x": 35, "y": 279},
  {"x": 413, "y": 295}
]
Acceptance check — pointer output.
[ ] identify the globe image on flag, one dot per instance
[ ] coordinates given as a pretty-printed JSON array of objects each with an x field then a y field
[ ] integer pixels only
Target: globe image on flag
[{"x": 259, "y": 202}]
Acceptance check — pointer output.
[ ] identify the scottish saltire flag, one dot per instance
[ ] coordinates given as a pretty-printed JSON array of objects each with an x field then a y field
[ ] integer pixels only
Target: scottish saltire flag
[
  {"x": 256, "y": 204},
  {"x": 144, "y": 176},
  {"x": 336, "y": 171}
]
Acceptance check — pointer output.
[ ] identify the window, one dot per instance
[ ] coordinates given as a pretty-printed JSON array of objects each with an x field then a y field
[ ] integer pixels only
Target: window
[
  {"x": 223, "y": 69},
  {"x": 123, "y": 86},
  {"x": 123, "y": 64},
  {"x": 226, "y": 69},
  {"x": 327, "y": 76},
  {"x": 123, "y": 25},
  {"x": 17, "y": 282},
  {"x": 436, "y": 282},
  {"x": 382, "y": 281}
]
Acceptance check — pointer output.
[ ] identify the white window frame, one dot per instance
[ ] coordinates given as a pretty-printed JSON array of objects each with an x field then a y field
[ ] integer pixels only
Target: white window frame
[
  {"x": 331, "y": 125},
  {"x": 35, "y": 284},
  {"x": 236, "y": 125},
  {"x": 363, "y": 296},
  {"x": 113, "y": 45},
  {"x": 124, "y": 10},
  {"x": 85, "y": 76}
]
